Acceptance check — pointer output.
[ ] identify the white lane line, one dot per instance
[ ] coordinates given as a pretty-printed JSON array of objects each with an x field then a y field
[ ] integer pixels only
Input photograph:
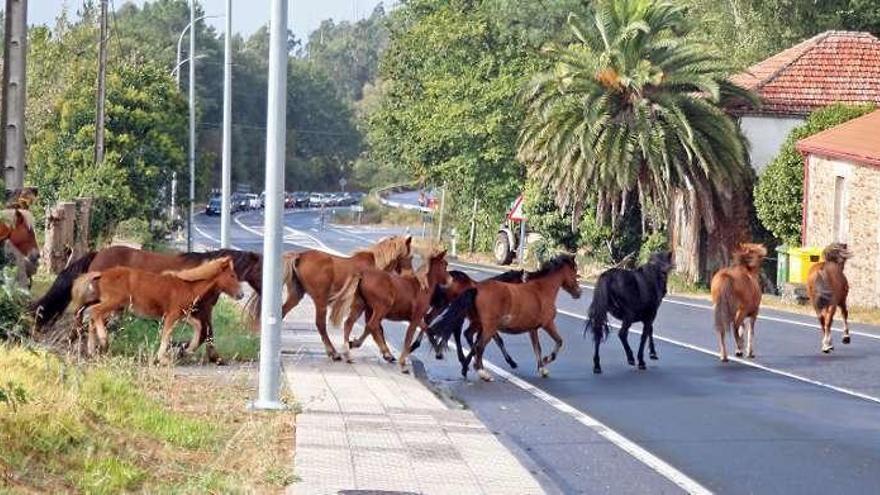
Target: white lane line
[
  {"x": 318, "y": 244},
  {"x": 212, "y": 238},
  {"x": 663, "y": 468},
  {"x": 746, "y": 362},
  {"x": 707, "y": 307}
]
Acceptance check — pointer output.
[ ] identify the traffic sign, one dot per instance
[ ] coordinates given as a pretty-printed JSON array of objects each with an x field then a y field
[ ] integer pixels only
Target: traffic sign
[{"x": 516, "y": 211}]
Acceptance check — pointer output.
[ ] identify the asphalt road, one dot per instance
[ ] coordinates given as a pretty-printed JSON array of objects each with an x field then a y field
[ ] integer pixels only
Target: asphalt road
[{"x": 791, "y": 421}]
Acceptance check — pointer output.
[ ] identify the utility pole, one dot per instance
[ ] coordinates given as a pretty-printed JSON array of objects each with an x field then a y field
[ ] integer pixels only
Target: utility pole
[
  {"x": 14, "y": 94},
  {"x": 192, "y": 125},
  {"x": 102, "y": 73},
  {"x": 276, "y": 129},
  {"x": 442, "y": 212},
  {"x": 226, "y": 186}
]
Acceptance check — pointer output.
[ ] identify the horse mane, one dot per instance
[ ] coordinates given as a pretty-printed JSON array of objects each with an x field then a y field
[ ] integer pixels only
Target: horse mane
[
  {"x": 7, "y": 215},
  {"x": 422, "y": 273},
  {"x": 240, "y": 259},
  {"x": 205, "y": 271},
  {"x": 386, "y": 251},
  {"x": 510, "y": 276},
  {"x": 837, "y": 252},
  {"x": 551, "y": 266}
]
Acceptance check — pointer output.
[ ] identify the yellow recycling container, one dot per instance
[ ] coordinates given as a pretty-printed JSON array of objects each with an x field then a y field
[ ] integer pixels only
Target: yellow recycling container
[{"x": 800, "y": 261}]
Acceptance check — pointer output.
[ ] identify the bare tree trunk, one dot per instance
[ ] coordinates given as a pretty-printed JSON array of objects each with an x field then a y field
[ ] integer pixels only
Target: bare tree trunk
[
  {"x": 82, "y": 226},
  {"x": 59, "y": 243},
  {"x": 684, "y": 233}
]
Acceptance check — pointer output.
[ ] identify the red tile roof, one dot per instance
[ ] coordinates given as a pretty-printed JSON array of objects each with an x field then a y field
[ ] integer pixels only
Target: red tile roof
[
  {"x": 857, "y": 141},
  {"x": 835, "y": 66}
]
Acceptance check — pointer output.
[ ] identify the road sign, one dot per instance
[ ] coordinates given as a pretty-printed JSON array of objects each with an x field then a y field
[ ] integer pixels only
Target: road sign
[{"x": 516, "y": 211}]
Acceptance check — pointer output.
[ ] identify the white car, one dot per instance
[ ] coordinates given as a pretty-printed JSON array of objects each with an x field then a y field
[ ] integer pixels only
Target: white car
[{"x": 254, "y": 202}]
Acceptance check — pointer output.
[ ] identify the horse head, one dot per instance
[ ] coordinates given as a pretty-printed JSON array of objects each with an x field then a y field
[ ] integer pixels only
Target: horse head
[
  {"x": 837, "y": 252},
  {"x": 750, "y": 255},
  {"x": 662, "y": 260},
  {"x": 565, "y": 266},
  {"x": 21, "y": 236},
  {"x": 438, "y": 270},
  {"x": 226, "y": 280}
]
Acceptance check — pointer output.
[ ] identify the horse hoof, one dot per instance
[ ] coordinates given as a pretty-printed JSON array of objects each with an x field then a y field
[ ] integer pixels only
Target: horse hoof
[
  {"x": 724, "y": 359},
  {"x": 353, "y": 344},
  {"x": 597, "y": 370},
  {"x": 438, "y": 356},
  {"x": 739, "y": 353},
  {"x": 846, "y": 339},
  {"x": 632, "y": 362},
  {"x": 389, "y": 358},
  {"x": 544, "y": 372},
  {"x": 334, "y": 356},
  {"x": 485, "y": 376},
  {"x": 827, "y": 350},
  {"x": 751, "y": 355},
  {"x": 642, "y": 366},
  {"x": 653, "y": 356},
  {"x": 513, "y": 364},
  {"x": 404, "y": 370}
]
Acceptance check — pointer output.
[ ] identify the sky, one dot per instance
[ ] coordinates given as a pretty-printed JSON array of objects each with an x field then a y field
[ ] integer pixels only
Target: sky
[{"x": 247, "y": 15}]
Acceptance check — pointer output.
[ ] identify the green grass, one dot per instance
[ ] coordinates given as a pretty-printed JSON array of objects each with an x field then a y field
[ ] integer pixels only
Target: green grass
[
  {"x": 136, "y": 337},
  {"x": 113, "y": 426}
]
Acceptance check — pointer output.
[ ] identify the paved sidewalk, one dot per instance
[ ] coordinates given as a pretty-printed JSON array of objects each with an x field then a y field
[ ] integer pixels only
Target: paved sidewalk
[{"x": 366, "y": 428}]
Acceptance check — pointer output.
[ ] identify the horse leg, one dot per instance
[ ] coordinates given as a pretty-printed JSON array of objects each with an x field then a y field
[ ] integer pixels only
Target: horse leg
[
  {"x": 551, "y": 330},
  {"x": 101, "y": 332},
  {"x": 165, "y": 339},
  {"x": 646, "y": 332},
  {"x": 321, "y": 323},
  {"x": 368, "y": 313},
  {"x": 210, "y": 350},
  {"x": 500, "y": 342},
  {"x": 536, "y": 346},
  {"x": 623, "y": 334},
  {"x": 480, "y": 347},
  {"x": 751, "y": 335},
  {"x": 652, "y": 352},
  {"x": 828, "y": 316},
  {"x": 844, "y": 311},
  {"x": 353, "y": 315},
  {"x": 722, "y": 344},
  {"x": 407, "y": 342}
]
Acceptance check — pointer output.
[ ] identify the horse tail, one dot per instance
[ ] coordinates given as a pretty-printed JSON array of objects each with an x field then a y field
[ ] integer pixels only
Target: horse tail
[
  {"x": 597, "y": 315},
  {"x": 48, "y": 308},
  {"x": 452, "y": 319},
  {"x": 823, "y": 292},
  {"x": 724, "y": 300},
  {"x": 340, "y": 303},
  {"x": 291, "y": 281},
  {"x": 84, "y": 292}
]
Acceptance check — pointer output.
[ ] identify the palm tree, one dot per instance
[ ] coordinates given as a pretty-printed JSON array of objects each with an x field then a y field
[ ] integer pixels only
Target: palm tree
[{"x": 634, "y": 108}]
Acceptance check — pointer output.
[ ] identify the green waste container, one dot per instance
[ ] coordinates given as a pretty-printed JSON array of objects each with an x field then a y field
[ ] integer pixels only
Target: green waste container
[{"x": 781, "y": 266}]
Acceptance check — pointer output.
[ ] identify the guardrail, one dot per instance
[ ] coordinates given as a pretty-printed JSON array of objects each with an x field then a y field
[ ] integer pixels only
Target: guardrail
[{"x": 381, "y": 193}]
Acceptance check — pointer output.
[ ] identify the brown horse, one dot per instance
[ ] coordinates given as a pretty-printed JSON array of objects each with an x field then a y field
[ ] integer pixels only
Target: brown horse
[
  {"x": 736, "y": 295},
  {"x": 248, "y": 267},
  {"x": 16, "y": 230},
  {"x": 828, "y": 288},
  {"x": 325, "y": 277},
  {"x": 382, "y": 295},
  {"x": 512, "y": 308},
  {"x": 170, "y": 296}
]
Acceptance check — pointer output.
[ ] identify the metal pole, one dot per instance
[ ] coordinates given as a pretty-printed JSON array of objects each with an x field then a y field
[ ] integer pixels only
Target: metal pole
[
  {"x": 521, "y": 251},
  {"x": 472, "y": 236},
  {"x": 276, "y": 130},
  {"x": 102, "y": 72},
  {"x": 226, "y": 187},
  {"x": 442, "y": 211},
  {"x": 14, "y": 94},
  {"x": 192, "y": 125}
]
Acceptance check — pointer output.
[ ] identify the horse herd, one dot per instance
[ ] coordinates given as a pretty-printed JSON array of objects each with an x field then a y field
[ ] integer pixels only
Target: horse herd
[{"x": 379, "y": 282}]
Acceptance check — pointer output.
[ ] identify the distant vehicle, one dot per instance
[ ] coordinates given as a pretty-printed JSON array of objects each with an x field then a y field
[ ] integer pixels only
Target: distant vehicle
[
  {"x": 317, "y": 199},
  {"x": 239, "y": 202},
  {"x": 253, "y": 202},
  {"x": 300, "y": 199},
  {"x": 508, "y": 238},
  {"x": 214, "y": 206}
]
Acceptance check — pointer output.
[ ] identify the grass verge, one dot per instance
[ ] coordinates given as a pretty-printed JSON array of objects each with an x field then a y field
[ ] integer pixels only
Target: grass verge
[{"x": 112, "y": 426}]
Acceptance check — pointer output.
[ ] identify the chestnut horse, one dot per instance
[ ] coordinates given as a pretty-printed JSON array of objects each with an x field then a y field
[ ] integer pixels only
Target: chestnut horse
[
  {"x": 443, "y": 296},
  {"x": 248, "y": 268},
  {"x": 382, "y": 295},
  {"x": 325, "y": 277},
  {"x": 512, "y": 308},
  {"x": 736, "y": 296},
  {"x": 17, "y": 231},
  {"x": 170, "y": 296},
  {"x": 828, "y": 288}
]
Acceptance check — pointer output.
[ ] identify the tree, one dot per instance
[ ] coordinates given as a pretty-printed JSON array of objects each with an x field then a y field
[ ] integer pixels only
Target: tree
[
  {"x": 632, "y": 110},
  {"x": 779, "y": 193}
]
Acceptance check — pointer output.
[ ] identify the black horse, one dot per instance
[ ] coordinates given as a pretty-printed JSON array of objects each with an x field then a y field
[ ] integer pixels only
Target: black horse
[
  {"x": 441, "y": 299},
  {"x": 630, "y": 296}
]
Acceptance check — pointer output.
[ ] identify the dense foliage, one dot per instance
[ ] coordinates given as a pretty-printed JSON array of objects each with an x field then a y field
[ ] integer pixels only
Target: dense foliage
[{"x": 780, "y": 189}]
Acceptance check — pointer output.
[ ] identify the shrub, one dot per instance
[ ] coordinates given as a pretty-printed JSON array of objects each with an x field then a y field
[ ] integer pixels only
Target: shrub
[
  {"x": 652, "y": 243},
  {"x": 780, "y": 189},
  {"x": 14, "y": 301}
]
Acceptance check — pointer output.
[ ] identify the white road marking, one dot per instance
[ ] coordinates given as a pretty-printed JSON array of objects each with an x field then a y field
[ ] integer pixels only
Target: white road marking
[
  {"x": 746, "y": 362},
  {"x": 317, "y": 243},
  {"x": 209, "y": 236}
]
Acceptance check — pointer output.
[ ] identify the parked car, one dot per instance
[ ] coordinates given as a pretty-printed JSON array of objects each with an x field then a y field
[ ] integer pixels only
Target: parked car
[
  {"x": 214, "y": 206},
  {"x": 300, "y": 199},
  {"x": 253, "y": 202},
  {"x": 317, "y": 200}
]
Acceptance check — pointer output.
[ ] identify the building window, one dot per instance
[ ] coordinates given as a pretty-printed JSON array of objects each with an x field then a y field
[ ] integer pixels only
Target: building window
[{"x": 840, "y": 220}]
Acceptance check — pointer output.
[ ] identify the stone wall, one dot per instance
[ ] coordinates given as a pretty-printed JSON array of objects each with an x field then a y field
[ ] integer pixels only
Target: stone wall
[{"x": 861, "y": 227}]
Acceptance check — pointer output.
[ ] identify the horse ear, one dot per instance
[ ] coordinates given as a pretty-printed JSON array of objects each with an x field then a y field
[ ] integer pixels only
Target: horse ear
[
  {"x": 442, "y": 254},
  {"x": 19, "y": 218},
  {"x": 408, "y": 240}
]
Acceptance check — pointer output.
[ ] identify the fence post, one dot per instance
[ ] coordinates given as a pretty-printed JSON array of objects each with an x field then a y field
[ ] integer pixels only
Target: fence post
[
  {"x": 82, "y": 226},
  {"x": 59, "y": 235}
]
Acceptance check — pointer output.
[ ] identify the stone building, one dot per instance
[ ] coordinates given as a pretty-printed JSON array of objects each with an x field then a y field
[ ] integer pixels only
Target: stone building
[
  {"x": 842, "y": 199},
  {"x": 831, "y": 67}
]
